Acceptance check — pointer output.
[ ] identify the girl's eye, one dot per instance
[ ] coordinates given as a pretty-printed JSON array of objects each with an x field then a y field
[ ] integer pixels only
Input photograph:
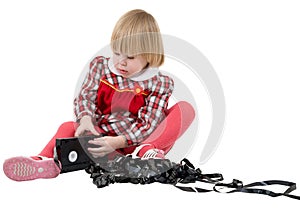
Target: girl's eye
[
  {"x": 131, "y": 58},
  {"x": 117, "y": 54}
]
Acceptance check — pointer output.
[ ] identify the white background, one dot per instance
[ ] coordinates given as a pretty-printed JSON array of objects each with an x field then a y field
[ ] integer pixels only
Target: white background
[{"x": 254, "y": 47}]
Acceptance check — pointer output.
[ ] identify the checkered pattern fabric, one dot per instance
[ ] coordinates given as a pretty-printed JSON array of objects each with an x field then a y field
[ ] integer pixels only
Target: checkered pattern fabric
[{"x": 135, "y": 126}]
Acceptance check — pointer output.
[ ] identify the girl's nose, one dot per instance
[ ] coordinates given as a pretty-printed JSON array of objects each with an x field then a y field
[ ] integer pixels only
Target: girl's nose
[{"x": 123, "y": 62}]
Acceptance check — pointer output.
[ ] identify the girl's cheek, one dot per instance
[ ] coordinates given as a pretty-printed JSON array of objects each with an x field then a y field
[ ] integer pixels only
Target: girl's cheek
[{"x": 115, "y": 60}]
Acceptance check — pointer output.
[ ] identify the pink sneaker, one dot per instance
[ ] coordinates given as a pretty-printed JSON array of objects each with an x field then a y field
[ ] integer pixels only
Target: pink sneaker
[{"x": 26, "y": 168}]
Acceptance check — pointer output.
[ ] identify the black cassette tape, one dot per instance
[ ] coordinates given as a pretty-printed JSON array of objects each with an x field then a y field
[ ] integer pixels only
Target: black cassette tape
[{"x": 73, "y": 154}]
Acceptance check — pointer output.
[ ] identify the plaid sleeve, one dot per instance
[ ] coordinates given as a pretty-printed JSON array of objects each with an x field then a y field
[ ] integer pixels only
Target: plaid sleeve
[
  {"x": 152, "y": 113},
  {"x": 85, "y": 102}
]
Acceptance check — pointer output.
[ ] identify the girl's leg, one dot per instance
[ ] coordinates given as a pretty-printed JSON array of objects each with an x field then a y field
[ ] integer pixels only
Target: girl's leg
[
  {"x": 67, "y": 129},
  {"x": 178, "y": 119},
  {"x": 42, "y": 166}
]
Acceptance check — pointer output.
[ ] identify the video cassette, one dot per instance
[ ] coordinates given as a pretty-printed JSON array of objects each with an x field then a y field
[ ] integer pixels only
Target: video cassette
[{"x": 73, "y": 154}]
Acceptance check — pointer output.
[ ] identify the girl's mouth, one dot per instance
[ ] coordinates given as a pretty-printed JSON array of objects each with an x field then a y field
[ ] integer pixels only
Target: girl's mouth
[{"x": 122, "y": 71}]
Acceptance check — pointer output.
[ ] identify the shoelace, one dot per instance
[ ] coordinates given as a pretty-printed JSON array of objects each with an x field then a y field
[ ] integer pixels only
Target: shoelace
[{"x": 152, "y": 153}]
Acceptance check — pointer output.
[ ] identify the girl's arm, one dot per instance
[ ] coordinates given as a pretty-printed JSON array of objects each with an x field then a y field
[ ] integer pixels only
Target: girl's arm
[{"x": 84, "y": 103}]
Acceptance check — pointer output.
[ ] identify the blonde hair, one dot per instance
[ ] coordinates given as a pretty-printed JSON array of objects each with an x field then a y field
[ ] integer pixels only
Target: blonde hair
[{"x": 137, "y": 33}]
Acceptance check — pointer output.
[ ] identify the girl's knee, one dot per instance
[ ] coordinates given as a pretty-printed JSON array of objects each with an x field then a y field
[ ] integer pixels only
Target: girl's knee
[
  {"x": 186, "y": 110},
  {"x": 69, "y": 125}
]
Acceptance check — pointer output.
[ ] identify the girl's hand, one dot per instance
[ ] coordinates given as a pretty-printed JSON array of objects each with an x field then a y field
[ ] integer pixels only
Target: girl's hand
[
  {"x": 86, "y": 124},
  {"x": 107, "y": 144}
]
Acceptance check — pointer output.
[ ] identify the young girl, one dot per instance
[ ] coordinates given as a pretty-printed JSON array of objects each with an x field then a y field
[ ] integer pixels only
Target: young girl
[{"x": 125, "y": 98}]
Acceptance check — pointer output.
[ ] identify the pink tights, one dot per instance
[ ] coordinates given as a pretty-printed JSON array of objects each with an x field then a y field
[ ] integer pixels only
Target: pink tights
[{"x": 178, "y": 119}]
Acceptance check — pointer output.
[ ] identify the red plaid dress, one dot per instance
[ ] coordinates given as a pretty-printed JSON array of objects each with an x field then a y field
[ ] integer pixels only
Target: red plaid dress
[{"x": 121, "y": 106}]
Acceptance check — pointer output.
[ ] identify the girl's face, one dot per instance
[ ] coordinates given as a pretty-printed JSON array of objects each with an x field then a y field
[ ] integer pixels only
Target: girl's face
[{"x": 128, "y": 66}]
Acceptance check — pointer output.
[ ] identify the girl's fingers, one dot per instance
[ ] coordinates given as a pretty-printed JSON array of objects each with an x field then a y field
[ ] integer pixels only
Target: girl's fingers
[
  {"x": 94, "y": 150},
  {"x": 97, "y": 141},
  {"x": 82, "y": 128},
  {"x": 97, "y": 152},
  {"x": 79, "y": 131},
  {"x": 93, "y": 130}
]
